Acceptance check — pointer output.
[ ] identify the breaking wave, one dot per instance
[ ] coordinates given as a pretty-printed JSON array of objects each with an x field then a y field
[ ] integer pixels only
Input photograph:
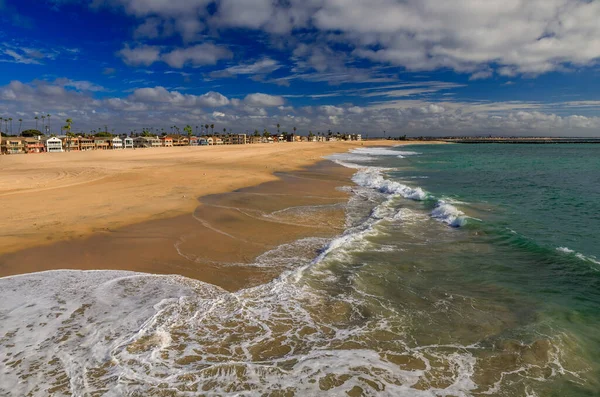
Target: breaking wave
[{"x": 374, "y": 178}]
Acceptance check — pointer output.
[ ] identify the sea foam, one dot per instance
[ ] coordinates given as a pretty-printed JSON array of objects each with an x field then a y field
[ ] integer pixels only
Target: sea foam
[{"x": 374, "y": 178}]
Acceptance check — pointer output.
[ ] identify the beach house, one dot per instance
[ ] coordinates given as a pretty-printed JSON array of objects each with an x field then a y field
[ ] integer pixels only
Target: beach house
[
  {"x": 101, "y": 143},
  {"x": 194, "y": 141},
  {"x": 146, "y": 142},
  {"x": 33, "y": 145},
  {"x": 166, "y": 141},
  {"x": 70, "y": 143},
  {"x": 53, "y": 145},
  {"x": 116, "y": 143},
  {"x": 128, "y": 143},
  {"x": 12, "y": 145},
  {"x": 179, "y": 140},
  {"x": 86, "y": 143}
]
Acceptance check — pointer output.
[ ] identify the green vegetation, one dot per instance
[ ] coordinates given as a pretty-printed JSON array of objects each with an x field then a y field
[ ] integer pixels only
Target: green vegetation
[{"x": 31, "y": 133}]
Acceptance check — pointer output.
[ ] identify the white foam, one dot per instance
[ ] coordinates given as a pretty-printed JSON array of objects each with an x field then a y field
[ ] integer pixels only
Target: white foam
[
  {"x": 585, "y": 258},
  {"x": 133, "y": 334},
  {"x": 375, "y": 151},
  {"x": 449, "y": 214},
  {"x": 373, "y": 177}
]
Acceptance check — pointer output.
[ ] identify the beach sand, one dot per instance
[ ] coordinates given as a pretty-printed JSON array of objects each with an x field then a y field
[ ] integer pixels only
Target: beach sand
[{"x": 140, "y": 210}]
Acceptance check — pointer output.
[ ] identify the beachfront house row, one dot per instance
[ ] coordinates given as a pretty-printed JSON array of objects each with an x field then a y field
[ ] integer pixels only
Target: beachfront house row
[
  {"x": 53, "y": 145},
  {"x": 128, "y": 143},
  {"x": 116, "y": 143}
]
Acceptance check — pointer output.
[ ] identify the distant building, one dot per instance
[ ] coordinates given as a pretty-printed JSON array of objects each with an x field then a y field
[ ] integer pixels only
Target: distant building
[
  {"x": 116, "y": 143},
  {"x": 33, "y": 145},
  {"x": 53, "y": 145},
  {"x": 86, "y": 143},
  {"x": 12, "y": 145},
  {"x": 128, "y": 143},
  {"x": 70, "y": 143},
  {"x": 102, "y": 143},
  {"x": 146, "y": 142},
  {"x": 166, "y": 141}
]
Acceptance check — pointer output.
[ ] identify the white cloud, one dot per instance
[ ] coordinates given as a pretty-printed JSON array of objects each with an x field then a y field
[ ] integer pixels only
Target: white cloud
[
  {"x": 263, "y": 100},
  {"x": 198, "y": 55},
  {"x": 143, "y": 55},
  {"x": 261, "y": 67}
]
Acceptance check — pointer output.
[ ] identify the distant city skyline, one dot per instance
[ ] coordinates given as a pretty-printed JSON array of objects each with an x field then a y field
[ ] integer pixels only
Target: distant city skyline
[{"x": 415, "y": 67}]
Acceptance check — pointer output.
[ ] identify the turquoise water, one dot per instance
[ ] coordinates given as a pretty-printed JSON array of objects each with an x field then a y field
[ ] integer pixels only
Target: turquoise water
[
  {"x": 463, "y": 271},
  {"x": 527, "y": 245}
]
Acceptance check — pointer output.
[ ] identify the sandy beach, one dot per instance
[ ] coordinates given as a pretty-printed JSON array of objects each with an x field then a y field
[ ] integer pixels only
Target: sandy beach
[{"x": 140, "y": 210}]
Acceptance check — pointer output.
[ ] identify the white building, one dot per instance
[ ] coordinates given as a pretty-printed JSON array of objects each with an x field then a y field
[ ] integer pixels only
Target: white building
[
  {"x": 116, "y": 143},
  {"x": 128, "y": 143},
  {"x": 53, "y": 145}
]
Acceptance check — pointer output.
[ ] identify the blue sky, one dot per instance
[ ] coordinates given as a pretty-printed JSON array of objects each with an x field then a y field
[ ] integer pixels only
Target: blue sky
[{"x": 417, "y": 67}]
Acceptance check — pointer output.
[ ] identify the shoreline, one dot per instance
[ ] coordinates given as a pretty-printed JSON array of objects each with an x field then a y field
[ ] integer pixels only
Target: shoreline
[
  {"x": 220, "y": 242},
  {"x": 199, "y": 236}
]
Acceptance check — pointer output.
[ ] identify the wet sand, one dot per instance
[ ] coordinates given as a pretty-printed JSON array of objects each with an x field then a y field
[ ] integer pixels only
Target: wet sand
[{"x": 217, "y": 241}]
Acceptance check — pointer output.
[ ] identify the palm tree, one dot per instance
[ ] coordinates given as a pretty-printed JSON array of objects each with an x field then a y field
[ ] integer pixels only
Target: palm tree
[
  {"x": 188, "y": 130},
  {"x": 206, "y": 128},
  {"x": 1, "y": 118},
  {"x": 36, "y": 122},
  {"x": 278, "y": 126},
  {"x": 43, "y": 122},
  {"x": 68, "y": 129},
  {"x": 212, "y": 127},
  {"x": 196, "y": 130},
  {"x": 49, "y": 126},
  {"x": 294, "y": 130},
  {"x": 20, "y": 124},
  {"x": 10, "y": 119},
  {"x": 224, "y": 130}
]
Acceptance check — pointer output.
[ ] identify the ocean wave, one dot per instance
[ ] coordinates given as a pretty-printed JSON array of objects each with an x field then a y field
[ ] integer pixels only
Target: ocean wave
[
  {"x": 383, "y": 152},
  {"x": 372, "y": 177},
  {"x": 444, "y": 211},
  {"x": 449, "y": 214},
  {"x": 585, "y": 258}
]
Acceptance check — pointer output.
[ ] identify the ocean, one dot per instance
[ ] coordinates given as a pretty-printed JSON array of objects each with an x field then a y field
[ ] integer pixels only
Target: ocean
[{"x": 464, "y": 270}]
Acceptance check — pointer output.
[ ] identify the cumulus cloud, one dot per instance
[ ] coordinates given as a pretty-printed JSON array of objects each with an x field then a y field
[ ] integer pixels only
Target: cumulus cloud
[
  {"x": 198, "y": 55},
  {"x": 160, "y": 95},
  {"x": 263, "y": 100},
  {"x": 471, "y": 36},
  {"x": 140, "y": 56}
]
